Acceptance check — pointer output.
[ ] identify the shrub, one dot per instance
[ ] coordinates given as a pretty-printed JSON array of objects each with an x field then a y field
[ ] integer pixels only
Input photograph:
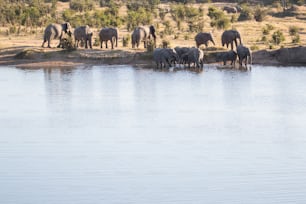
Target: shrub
[
  {"x": 278, "y": 37},
  {"x": 293, "y": 30},
  {"x": 96, "y": 42},
  {"x": 264, "y": 39},
  {"x": 260, "y": 14},
  {"x": 222, "y": 23},
  {"x": 266, "y": 30},
  {"x": 126, "y": 40},
  {"x": 165, "y": 44},
  {"x": 215, "y": 13},
  {"x": 218, "y": 18},
  {"x": 135, "y": 18},
  {"x": 245, "y": 14},
  {"x": 296, "y": 38},
  {"x": 168, "y": 29},
  {"x": 150, "y": 46},
  {"x": 254, "y": 47}
]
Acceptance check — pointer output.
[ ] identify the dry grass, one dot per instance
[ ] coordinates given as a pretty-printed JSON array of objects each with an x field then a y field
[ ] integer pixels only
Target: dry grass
[{"x": 251, "y": 31}]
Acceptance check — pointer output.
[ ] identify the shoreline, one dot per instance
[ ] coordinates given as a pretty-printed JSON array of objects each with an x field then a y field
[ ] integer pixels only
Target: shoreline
[{"x": 37, "y": 57}]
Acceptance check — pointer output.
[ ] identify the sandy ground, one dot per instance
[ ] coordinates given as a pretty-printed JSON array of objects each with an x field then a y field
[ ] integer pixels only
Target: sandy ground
[{"x": 26, "y": 52}]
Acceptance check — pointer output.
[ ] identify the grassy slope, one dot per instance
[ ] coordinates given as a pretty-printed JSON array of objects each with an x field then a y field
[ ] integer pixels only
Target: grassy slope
[{"x": 251, "y": 31}]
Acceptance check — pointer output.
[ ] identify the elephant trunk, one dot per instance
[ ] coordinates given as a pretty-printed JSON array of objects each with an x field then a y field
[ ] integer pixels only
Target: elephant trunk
[
  {"x": 240, "y": 43},
  {"x": 213, "y": 41}
]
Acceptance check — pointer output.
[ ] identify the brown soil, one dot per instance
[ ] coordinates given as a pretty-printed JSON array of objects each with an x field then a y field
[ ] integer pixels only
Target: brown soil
[{"x": 37, "y": 57}]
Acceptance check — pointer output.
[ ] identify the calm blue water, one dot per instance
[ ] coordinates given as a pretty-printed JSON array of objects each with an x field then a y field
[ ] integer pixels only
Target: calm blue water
[{"x": 123, "y": 135}]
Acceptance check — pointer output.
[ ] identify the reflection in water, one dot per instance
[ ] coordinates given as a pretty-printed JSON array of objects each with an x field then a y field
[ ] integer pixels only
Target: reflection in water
[{"x": 122, "y": 135}]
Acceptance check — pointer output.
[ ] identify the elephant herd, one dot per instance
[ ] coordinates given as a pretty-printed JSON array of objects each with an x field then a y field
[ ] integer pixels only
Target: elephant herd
[
  {"x": 81, "y": 34},
  {"x": 163, "y": 57}
]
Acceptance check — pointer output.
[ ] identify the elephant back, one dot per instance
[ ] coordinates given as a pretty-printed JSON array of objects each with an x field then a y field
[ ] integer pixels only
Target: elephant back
[
  {"x": 108, "y": 33},
  {"x": 82, "y": 32},
  {"x": 203, "y": 38},
  {"x": 195, "y": 54},
  {"x": 145, "y": 30},
  {"x": 53, "y": 31}
]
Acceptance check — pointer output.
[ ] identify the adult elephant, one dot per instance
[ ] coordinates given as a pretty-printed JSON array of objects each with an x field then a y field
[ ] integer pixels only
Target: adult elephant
[
  {"x": 227, "y": 56},
  {"x": 56, "y": 31},
  {"x": 109, "y": 34},
  {"x": 83, "y": 33},
  {"x": 244, "y": 54},
  {"x": 203, "y": 38},
  {"x": 230, "y": 37},
  {"x": 180, "y": 52},
  {"x": 165, "y": 57},
  {"x": 143, "y": 33},
  {"x": 194, "y": 56}
]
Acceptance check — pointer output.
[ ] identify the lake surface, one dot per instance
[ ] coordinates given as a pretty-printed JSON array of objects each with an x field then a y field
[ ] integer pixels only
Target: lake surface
[{"x": 116, "y": 134}]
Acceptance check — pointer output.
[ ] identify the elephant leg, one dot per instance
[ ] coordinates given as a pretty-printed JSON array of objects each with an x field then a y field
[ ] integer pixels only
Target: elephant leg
[
  {"x": 112, "y": 43},
  {"x": 59, "y": 45},
  {"x": 101, "y": 43},
  {"x": 232, "y": 45},
  {"x": 86, "y": 45},
  {"x": 106, "y": 44},
  {"x": 43, "y": 44}
]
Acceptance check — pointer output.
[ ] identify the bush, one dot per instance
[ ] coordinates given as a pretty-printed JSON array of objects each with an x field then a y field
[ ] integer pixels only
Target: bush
[
  {"x": 126, "y": 40},
  {"x": 296, "y": 38},
  {"x": 222, "y": 23},
  {"x": 168, "y": 29},
  {"x": 266, "y": 30},
  {"x": 293, "y": 30},
  {"x": 96, "y": 42},
  {"x": 260, "y": 14},
  {"x": 245, "y": 14},
  {"x": 165, "y": 44},
  {"x": 278, "y": 37},
  {"x": 150, "y": 46},
  {"x": 215, "y": 13}
]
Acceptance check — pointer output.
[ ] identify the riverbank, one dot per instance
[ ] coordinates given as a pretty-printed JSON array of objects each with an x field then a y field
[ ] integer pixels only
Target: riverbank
[{"x": 37, "y": 57}]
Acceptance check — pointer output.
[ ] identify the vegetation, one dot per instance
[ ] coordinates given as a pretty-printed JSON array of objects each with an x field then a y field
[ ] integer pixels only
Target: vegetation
[
  {"x": 278, "y": 37},
  {"x": 218, "y": 18},
  {"x": 179, "y": 19}
]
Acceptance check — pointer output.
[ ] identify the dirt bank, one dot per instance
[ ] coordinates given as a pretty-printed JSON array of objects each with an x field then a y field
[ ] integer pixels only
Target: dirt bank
[{"x": 36, "y": 57}]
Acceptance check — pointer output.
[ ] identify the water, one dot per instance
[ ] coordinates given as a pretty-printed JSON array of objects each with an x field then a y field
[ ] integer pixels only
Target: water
[{"x": 124, "y": 135}]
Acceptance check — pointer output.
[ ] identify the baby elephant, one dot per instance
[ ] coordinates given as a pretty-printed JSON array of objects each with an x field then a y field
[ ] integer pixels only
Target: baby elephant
[
  {"x": 165, "y": 57},
  {"x": 227, "y": 56}
]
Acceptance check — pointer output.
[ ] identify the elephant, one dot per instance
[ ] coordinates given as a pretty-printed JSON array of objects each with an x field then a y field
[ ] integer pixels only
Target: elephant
[
  {"x": 56, "y": 31},
  {"x": 227, "y": 56},
  {"x": 165, "y": 57},
  {"x": 109, "y": 34},
  {"x": 195, "y": 56},
  {"x": 203, "y": 38},
  {"x": 143, "y": 33},
  {"x": 83, "y": 33},
  {"x": 180, "y": 52},
  {"x": 230, "y": 9},
  {"x": 230, "y": 37},
  {"x": 244, "y": 54}
]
